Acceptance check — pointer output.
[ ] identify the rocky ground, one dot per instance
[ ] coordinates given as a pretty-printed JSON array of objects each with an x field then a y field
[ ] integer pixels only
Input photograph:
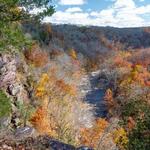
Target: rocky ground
[{"x": 38, "y": 143}]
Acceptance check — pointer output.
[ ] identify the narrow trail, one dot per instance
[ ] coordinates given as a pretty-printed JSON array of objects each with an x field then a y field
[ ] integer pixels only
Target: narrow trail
[{"x": 93, "y": 94}]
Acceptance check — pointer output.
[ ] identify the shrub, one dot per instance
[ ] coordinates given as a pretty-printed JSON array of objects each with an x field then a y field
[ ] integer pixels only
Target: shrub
[
  {"x": 109, "y": 100},
  {"x": 91, "y": 137},
  {"x": 73, "y": 54},
  {"x": 139, "y": 136},
  {"x": 40, "y": 120},
  {"x": 141, "y": 57},
  {"x": 13, "y": 36},
  {"x": 5, "y": 105},
  {"x": 36, "y": 56},
  {"x": 131, "y": 97},
  {"x": 25, "y": 112},
  {"x": 45, "y": 33},
  {"x": 120, "y": 138},
  {"x": 61, "y": 114}
]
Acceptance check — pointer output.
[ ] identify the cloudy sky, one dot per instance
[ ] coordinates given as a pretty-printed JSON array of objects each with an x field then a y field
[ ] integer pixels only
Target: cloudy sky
[{"x": 117, "y": 13}]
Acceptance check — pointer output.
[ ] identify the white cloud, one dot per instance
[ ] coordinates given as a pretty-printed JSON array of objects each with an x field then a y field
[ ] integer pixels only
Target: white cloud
[
  {"x": 123, "y": 13},
  {"x": 68, "y": 17},
  {"x": 143, "y": 10},
  {"x": 74, "y": 9},
  {"x": 124, "y": 4},
  {"x": 72, "y": 2},
  {"x": 128, "y": 14}
]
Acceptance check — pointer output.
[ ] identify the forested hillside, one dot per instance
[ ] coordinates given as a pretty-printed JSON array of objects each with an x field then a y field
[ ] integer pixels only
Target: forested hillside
[{"x": 86, "y": 39}]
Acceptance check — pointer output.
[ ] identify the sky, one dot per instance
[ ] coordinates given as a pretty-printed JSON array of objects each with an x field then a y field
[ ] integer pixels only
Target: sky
[{"x": 116, "y": 13}]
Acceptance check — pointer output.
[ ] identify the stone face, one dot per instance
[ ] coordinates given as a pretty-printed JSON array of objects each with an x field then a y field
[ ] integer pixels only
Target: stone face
[
  {"x": 6, "y": 147},
  {"x": 12, "y": 81},
  {"x": 7, "y": 70},
  {"x": 5, "y": 121},
  {"x": 1, "y": 63},
  {"x": 9, "y": 77},
  {"x": 56, "y": 145},
  {"x": 37, "y": 143},
  {"x": 23, "y": 132},
  {"x": 14, "y": 89},
  {"x": 84, "y": 148},
  {"x": 19, "y": 92}
]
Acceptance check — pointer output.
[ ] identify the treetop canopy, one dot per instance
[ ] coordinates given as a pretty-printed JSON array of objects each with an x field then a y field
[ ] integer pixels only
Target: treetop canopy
[{"x": 19, "y": 10}]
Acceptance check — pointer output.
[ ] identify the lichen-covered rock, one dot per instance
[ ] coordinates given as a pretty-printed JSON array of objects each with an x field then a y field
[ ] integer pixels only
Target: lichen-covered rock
[
  {"x": 37, "y": 143},
  {"x": 84, "y": 148},
  {"x": 14, "y": 89},
  {"x": 10, "y": 78},
  {"x": 17, "y": 89},
  {"x": 13, "y": 81},
  {"x": 24, "y": 132},
  {"x": 7, "y": 70},
  {"x": 5, "y": 121}
]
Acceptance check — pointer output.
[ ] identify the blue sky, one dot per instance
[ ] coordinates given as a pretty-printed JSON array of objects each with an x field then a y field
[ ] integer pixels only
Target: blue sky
[{"x": 117, "y": 13}]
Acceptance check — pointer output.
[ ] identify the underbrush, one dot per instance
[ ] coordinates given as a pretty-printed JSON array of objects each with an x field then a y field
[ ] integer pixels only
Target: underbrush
[
  {"x": 128, "y": 95},
  {"x": 5, "y": 105}
]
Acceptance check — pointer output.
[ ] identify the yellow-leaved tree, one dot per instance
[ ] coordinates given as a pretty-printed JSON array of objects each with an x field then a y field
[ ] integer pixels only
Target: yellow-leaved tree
[{"x": 60, "y": 113}]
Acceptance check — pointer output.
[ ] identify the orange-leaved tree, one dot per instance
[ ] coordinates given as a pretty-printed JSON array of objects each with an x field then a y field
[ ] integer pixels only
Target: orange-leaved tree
[
  {"x": 36, "y": 56},
  {"x": 110, "y": 103},
  {"x": 57, "y": 114},
  {"x": 91, "y": 137}
]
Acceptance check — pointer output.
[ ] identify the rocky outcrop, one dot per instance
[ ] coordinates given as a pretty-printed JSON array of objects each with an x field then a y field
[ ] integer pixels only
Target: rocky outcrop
[
  {"x": 11, "y": 79},
  {"x": 7, "y": 70},
  {"x": 38, "y": 143},
  {"x": 13, "y": 82},
  {"x": 24, "y": 132}
]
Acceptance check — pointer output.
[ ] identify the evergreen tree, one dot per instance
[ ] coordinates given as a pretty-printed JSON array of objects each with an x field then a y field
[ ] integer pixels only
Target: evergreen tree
[{"x": 15, "y": 12}]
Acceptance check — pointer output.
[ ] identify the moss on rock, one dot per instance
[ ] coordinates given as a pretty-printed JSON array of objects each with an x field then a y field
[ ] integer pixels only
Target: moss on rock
[{"x": 5, "y": 105}]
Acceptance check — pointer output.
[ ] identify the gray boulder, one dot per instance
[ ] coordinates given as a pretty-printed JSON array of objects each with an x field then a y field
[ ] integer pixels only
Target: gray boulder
[{"x": 24, "y": 132}]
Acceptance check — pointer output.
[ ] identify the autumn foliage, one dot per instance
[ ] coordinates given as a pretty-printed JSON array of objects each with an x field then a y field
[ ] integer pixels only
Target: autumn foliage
[
  {"x": 91, "y": 137},
  {"x": 131, "y": 123},
  {"x": 62, "y": 115},
  {"x": 120, "y": 138},
  {"x": 109, "y": 96},
  {"x": 41, "y": 121},
  {"x": 120, "y": 60},
  {"x": 36, "y": 56},
  {"x": 139, "y": 75},
  {"x": 48, "y": 91},
  {"x": 109, "y": 99},
  {"x": 129, "y": 97},
  {"x": 49, "y": 85},
  {"x": 141, "y": 57},
  {"x": 73, "y": 54},
  {"x": 56, "y": 113}
]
